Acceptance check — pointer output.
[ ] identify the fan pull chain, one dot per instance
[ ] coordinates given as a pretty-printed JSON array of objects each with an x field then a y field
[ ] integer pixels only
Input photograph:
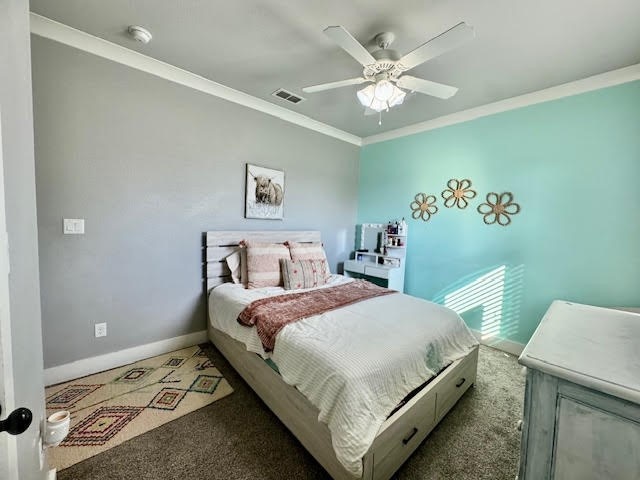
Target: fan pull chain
[{"x": 380, "y": 117}]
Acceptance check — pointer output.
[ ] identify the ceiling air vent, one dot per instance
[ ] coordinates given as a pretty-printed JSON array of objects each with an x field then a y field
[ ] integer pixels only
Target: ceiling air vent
[{"x": 288, "y": 96}]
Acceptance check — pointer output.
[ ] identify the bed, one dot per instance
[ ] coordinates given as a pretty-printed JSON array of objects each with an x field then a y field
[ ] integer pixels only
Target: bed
[{"x": 398, "y": 435}]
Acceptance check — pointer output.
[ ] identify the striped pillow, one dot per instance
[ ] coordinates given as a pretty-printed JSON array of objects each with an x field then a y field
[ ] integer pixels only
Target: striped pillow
[
  {"x": 303, "y": 273},
  {"x": 263, "y": 263},
  {"x": 309, "y": 251}
]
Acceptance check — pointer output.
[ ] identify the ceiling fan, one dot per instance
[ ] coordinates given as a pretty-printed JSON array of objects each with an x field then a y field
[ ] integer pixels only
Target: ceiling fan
[{"x": 384, "y": 69}]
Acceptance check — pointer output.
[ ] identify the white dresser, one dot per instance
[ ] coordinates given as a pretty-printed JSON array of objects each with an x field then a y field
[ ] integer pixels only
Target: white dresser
[
  {"x": 582, "y": 397},
  {"x": 369, "y": 266},
  {"x": 381, "y": 256}
]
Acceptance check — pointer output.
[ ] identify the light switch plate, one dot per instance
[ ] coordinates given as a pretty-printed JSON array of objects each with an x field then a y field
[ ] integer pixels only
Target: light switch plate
[
  {"x": 73, "y": 226},
  {"x": 101, "y": 329}
]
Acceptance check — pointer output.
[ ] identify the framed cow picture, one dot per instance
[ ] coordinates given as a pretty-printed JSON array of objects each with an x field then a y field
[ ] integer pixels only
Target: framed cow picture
[{"x": 264, "y": 195}]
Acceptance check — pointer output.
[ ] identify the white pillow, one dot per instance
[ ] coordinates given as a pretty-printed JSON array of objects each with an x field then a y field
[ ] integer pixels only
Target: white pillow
[{"x": 234, "y": 262}]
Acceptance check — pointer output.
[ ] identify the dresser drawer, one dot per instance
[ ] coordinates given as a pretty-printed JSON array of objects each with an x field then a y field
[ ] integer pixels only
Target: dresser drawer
[
  {"x": 376, "y": 272},
  {"x": 354, "y": 266}
]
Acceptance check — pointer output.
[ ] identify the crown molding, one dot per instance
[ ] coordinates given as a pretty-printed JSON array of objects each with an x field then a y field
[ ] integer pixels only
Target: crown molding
[
  {"x": 59, "y": 32},
  {"x": 595, "y": 82}
]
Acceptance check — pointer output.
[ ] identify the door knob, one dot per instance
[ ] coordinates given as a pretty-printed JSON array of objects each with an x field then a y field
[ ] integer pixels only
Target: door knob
[{"x": 17, "y": 421}]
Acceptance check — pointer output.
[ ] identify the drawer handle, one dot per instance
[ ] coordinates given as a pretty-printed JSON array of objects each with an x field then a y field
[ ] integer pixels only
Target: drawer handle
[
  {"x": 410, "y": 436},
  {"x": 461, "y": 382}
]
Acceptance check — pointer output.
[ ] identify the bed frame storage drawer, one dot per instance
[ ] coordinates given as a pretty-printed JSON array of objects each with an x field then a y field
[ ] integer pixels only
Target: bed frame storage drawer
[
  {"x": 397, "y": 438},
  {"x": 405, "y": 430},
  {"x": 455, "y": 385},
  {"x": 405, "y": 436}
]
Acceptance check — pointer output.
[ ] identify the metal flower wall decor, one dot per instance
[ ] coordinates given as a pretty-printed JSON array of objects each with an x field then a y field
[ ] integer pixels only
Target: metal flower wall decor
[
  {"x": 498, "y": 208},
  {"x": 423, "y": 206},
  {"x": 458, "y": 193}
]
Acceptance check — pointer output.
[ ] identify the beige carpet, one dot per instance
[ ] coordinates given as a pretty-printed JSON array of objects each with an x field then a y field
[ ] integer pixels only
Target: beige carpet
[
  {"x": 111, "y": 407},
  {"x": 238, "y": 438}
]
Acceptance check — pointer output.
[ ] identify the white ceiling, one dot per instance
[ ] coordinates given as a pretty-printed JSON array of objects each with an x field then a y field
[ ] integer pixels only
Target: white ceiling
[{"x": 257, "y": 46}]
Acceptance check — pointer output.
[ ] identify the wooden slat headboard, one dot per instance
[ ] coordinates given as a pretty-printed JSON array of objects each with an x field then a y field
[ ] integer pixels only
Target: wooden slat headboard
[{"x": 220, "y": 244}]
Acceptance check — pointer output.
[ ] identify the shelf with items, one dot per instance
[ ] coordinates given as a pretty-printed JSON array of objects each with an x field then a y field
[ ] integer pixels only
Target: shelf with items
[
  {"x": 391, "y": 261},
  {"x": 395, "y": 236},
  {"x": 394, "y": 242},
  {"x": 367, "y": 254},
  {"x": 397, "y": 228},
  {"x": 380, "y": 255}
]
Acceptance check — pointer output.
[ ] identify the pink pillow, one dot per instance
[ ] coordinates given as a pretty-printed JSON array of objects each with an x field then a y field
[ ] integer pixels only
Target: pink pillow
[
  {"x": 309, "y": 251},
  {"x": 263, "y": 263},
  {"x": 303, "y": 273}
]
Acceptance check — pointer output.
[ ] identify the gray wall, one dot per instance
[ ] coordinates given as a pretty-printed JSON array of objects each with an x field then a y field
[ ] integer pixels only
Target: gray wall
[
  {"x": 20, "y": 208},
  {"x": 151, "y": 165}
]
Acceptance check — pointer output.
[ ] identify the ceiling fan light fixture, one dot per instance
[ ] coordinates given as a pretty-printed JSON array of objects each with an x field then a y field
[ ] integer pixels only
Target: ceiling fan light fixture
[
  {"x": 368, "y": 99},
  {"x": 384, "y": 69},
  {"x": 381, "y": 97},
  {"x": 397, "y": 98},
  {"x": 378, "y": 105},
  {"x": 384, "y": 90},
  {"x": 366, "y": 95}
]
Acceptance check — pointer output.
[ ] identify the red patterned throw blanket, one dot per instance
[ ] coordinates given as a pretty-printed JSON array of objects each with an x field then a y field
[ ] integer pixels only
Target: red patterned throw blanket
[{"x": 272, "y": 314}]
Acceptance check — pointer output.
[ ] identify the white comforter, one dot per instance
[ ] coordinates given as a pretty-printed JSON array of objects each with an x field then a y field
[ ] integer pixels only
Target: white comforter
[{"x": 356, "y": 363}]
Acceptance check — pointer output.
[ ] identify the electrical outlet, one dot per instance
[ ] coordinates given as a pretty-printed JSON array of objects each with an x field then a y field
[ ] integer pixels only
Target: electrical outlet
[{"x": 101, "y": 329}]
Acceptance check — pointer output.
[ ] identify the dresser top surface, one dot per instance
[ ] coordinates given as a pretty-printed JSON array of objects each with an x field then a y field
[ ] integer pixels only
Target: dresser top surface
[{"x": 595, "y": 347}]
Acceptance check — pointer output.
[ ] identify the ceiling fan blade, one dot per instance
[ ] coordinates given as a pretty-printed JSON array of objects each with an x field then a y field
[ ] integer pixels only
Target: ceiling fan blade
[
  {"x": 446, "y": 41},
  {"x": 338, "y": 84},
  {"x": 426, "y": 86},
  {"x": 349, "y": 44}
]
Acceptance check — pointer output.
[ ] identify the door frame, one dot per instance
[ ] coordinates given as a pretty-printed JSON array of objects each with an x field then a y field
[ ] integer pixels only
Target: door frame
[{"x": 8, "y": 444}]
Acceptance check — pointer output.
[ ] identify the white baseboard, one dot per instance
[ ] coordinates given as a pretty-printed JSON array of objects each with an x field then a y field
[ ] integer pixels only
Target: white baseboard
[
  {"x": 88, "y": 366},
  {"x": 508, "y": 346}
]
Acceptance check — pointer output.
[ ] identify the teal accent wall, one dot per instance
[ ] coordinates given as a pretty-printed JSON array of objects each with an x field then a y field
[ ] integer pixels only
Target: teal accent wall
[{"x": 572, "y": 164}]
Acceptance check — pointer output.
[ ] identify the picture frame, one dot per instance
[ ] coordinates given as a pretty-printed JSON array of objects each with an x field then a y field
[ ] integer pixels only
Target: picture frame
[{"x": 264, "y": 193}]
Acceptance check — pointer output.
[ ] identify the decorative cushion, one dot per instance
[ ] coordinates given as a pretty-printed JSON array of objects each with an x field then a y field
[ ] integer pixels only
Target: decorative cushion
[
  {"x": 233, "y": 262},
  {"x": 263, "y": 263},
  {"x": 303, "y": 273},
  {"x": 309, "y": 251}
]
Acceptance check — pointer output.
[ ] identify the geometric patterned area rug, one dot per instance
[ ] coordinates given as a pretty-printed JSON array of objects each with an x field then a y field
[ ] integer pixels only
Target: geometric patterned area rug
[{"x": 111, "y": 407}]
